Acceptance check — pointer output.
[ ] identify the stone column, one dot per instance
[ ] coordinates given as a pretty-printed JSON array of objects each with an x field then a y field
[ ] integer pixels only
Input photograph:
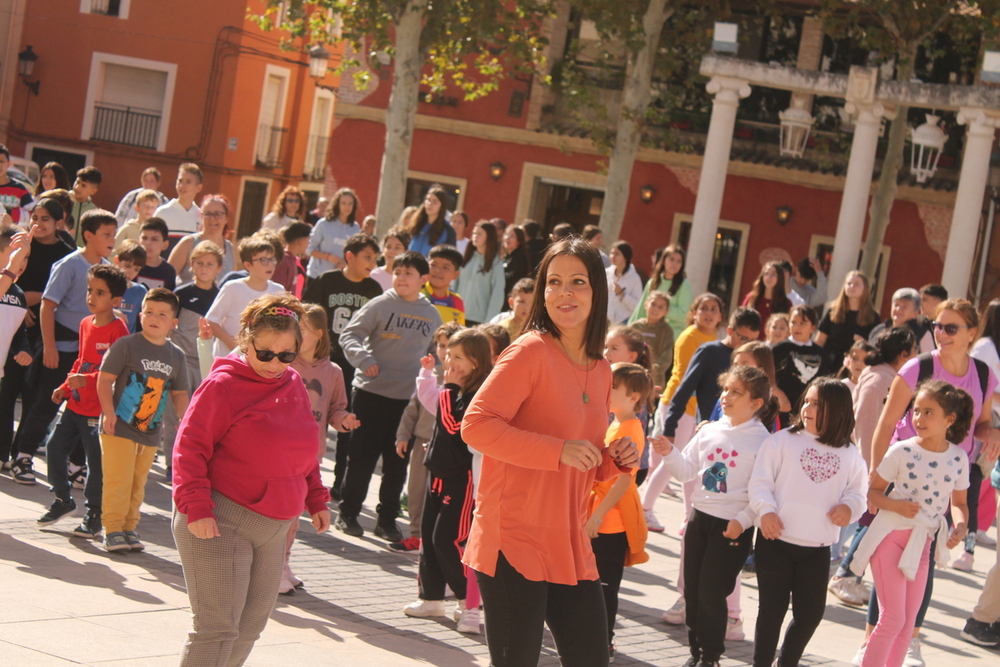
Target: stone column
[
  {"x": 858, "y": 182},
  {"x": 960, "y": 256},
  {"x": 712, "y": 184}
]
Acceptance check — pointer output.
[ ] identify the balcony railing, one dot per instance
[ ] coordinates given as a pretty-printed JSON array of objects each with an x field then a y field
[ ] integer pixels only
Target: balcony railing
[
  {"x": 269, "y": 140},
  {"x": 108, "y": 7},
  {"x": 126, "y": 125},
  {"x": 316, "y": 151}
]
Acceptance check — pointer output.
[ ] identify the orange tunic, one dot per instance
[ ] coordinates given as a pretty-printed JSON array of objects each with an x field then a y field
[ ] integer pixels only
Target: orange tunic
[{"x": 529, "y": 505}]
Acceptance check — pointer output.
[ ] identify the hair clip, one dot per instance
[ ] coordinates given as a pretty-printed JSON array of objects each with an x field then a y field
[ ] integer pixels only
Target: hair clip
[{"x": 281, "y": 311}]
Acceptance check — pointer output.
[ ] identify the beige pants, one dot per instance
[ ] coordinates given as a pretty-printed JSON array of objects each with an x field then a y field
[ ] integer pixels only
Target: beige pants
[
  {"x": 232, "y": 582},
  {"x": 126, "y": 466},
  {"x": 988, "y": 609},
  {"x": 416, "y": 486}
]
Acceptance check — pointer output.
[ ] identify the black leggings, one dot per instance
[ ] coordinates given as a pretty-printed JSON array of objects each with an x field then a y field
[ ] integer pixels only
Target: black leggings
[
  {"x": 516, "y": 610},
  {"x": 787, "y": 570},
  {"x": 610, "y": 550},
  {"x": 712, "y": 562}
]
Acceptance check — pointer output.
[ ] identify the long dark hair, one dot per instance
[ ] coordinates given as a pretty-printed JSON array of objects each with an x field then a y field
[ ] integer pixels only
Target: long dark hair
[
  {"x": 835, "y": 416},
  {"x": 597, "y": 321},
  {"x": 678, "y": 279},
  {"x": 333, "y": 210},
  {"x": 58, "y": 172},
  {"x": 625, "y": 248},
  {"x": 492, "y": 246},
  {"x": 421, "y": 220},
  {"x": 953, "y": 401},
  {"x": 779, "y": 300},
  {"x": 476, "y": 346},
  {"x": 890, "y": 344}
]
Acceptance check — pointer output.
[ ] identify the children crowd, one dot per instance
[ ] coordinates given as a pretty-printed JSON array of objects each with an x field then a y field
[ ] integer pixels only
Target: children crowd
[{"x": 527, "y": 400}]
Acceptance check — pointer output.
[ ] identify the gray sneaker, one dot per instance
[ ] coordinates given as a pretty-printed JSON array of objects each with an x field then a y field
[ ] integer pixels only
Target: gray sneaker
[
  {"x": 134, "y": 543},
  {"x": 116, "y": 542}
]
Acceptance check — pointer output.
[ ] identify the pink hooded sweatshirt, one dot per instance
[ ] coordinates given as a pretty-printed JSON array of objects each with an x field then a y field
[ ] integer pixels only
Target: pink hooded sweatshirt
[{"x": 253, "y": 440}]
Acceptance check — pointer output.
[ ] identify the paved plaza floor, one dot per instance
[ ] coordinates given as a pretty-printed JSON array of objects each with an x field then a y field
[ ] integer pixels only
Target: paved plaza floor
[{"x": 64, "y": 601}]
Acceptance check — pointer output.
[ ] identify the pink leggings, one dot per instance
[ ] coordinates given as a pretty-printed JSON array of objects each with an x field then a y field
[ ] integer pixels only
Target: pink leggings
[{"x": 899, "y": 600}]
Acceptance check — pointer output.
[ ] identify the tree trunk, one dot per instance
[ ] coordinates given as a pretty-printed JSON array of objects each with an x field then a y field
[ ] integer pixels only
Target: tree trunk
[
  {"x": 631, "y": 120},
  {"x": 400, "y": 115},
  {"x": 888, "y": 185}
]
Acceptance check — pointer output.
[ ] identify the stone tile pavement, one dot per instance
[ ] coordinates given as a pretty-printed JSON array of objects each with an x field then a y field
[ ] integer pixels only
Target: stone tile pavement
[{"x": 63, "y": 601}]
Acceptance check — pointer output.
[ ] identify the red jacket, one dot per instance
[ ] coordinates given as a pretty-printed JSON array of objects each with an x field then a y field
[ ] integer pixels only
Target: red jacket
[
  {"x": 94, "y": 342},
  {"x": 253, "y": 440}
]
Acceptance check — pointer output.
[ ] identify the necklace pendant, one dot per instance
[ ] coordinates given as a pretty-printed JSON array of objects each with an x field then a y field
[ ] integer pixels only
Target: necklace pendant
[{"x": 586, "y": 399}]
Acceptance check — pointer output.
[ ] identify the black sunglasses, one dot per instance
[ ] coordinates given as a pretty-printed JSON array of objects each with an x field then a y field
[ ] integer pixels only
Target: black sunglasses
[
  {"x": 265, "y": 356},
  {"x": 950, "y": 329}
]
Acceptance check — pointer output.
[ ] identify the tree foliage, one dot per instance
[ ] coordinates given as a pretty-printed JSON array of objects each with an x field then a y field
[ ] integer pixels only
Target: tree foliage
[{"x": 469, "y": 44}]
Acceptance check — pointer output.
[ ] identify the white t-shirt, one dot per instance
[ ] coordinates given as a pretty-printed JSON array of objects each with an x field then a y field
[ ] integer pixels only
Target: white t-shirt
[
  {"x": 229, "y": 304},
  {"x": 926, "y": 477},
  {"x": 178, "y": 220}
]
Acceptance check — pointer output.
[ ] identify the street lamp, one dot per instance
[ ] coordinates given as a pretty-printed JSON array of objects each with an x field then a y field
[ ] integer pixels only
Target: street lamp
[
  {"x": 928, "y": 140},
  {"x": 796, "y": 124},
  {"x": 26, "y": 66},
  {"x": 319, "y": 57}
]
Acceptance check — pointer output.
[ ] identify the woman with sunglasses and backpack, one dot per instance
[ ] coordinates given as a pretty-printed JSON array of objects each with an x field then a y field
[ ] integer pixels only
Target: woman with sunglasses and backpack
[
  {"x": 245, "y": 468},
  {"x": 955, "y": 329}
]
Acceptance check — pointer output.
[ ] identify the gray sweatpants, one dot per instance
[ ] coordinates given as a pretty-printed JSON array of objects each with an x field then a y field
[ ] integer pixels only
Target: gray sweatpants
[{"x": 232, "y": 582}]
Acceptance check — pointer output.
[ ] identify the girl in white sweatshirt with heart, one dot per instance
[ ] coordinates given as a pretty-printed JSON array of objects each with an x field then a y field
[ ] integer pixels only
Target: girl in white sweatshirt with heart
[{"x": 808, "y": 482}]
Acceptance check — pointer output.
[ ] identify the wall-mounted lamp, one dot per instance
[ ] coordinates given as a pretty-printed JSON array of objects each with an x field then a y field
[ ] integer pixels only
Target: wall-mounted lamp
[
  {"x": 784, "y": 215},
  {"x": 496, "y": 170},
  {"x": 319, "y": 60},
  {"x": 26, "y": 66},
  {"x": 646, "y": 192}
]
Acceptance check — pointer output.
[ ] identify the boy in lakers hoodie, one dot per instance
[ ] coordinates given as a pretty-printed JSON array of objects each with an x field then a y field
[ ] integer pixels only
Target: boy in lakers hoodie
[{"x": 384, "y": 341}]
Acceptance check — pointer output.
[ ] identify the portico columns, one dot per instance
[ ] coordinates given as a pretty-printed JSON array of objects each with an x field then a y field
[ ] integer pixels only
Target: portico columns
[
  {"x": 960, "y": 254},
  {"x": 715, "y": 164}
]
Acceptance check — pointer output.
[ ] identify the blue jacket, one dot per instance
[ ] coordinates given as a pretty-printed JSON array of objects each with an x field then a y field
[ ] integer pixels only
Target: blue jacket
[{"x": 702, "y": 381}]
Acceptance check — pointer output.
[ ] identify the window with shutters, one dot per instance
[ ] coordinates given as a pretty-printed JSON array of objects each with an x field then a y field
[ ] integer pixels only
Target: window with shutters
[
  {"x": 271, "y": 131},
  {"x": 128, "y": 101},
  {"x": 319, "y": 136}
]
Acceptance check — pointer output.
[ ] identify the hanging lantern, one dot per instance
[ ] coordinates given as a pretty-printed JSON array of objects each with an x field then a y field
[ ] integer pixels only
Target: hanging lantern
[
  {"x": 928, "y": 140},
  {"x": 319, "y": 57},
  {"x": 795, "y": 127}
]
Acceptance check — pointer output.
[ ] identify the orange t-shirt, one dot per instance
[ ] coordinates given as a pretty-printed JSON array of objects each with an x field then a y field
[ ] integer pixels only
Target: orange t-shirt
[
  {"x": 631, "y": 428},
  {"x": 529, "y": 505}
]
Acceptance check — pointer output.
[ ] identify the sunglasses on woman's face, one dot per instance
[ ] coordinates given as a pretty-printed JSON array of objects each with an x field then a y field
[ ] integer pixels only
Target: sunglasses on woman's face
[
  {"x": 265, "y": 356},
  {"x": 950, "y": 329}
]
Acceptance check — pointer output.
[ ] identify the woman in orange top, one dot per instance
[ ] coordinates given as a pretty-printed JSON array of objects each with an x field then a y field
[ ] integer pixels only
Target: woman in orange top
[{"x": 540, "y": 421}]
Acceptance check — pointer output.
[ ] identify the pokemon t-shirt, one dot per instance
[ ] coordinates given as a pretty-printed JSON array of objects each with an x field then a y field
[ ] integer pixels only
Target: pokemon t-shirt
[{"x": 147, "y": 373}]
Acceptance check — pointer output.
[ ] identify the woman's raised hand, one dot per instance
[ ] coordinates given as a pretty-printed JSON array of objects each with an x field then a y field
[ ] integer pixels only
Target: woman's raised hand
[{"x": 580, "y": 454}]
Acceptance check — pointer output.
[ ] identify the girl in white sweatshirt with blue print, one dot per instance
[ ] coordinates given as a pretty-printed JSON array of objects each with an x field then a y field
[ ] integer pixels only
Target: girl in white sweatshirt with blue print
[
  {"x": 720, "y": 459},
  {"x": 808, "y": 482}
]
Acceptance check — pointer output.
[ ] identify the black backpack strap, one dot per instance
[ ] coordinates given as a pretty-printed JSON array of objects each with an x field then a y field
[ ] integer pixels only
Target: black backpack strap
[
  {"x": 984, "y": 376},
  {"x": 926, "y": 367}
]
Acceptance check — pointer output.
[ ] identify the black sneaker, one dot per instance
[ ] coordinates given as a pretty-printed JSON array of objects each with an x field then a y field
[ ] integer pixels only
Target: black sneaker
[
  {"x": 21, "y": 471},
  {"x": 134, "y": 543},
  {"x": 692, "y": 662},
  {"x": 710, "y": 663},
  {"x": 981, "y": 634},
  {"x": 90, "y": 527},
  {"x": 78, "y": 479},
  {"x": 59, "y": 509},
  {"x": 349, "y": 525},
  {"x": 388, "y": 531},
  {"x": 116, "y": 542}
]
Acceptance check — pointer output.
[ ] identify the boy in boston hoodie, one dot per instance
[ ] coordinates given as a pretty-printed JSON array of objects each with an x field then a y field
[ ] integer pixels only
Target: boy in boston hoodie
[{"x": 384, "y": 342}]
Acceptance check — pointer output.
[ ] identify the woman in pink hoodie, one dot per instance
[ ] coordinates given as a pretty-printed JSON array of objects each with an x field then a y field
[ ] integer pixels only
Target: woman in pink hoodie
[{"x": 245, "y": 467}]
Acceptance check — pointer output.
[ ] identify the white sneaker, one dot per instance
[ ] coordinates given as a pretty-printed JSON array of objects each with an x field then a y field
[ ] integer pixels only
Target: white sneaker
[
  {"x": 456, "y": 613},
  {"x": 844, "y": 589},
  {"x": 675, "y": 615},
  {"x": 425, "y": 608},
  {"x": 983, "y": 539},
  {"x": 469, "y": 623},
  {"x": 734, "y": 630},
  {"x": 652, "y": 524},
  {"x": 859, "y": 656},
  {"x": 913, "y": 657},
  {"x": 963, "y": 563}
]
